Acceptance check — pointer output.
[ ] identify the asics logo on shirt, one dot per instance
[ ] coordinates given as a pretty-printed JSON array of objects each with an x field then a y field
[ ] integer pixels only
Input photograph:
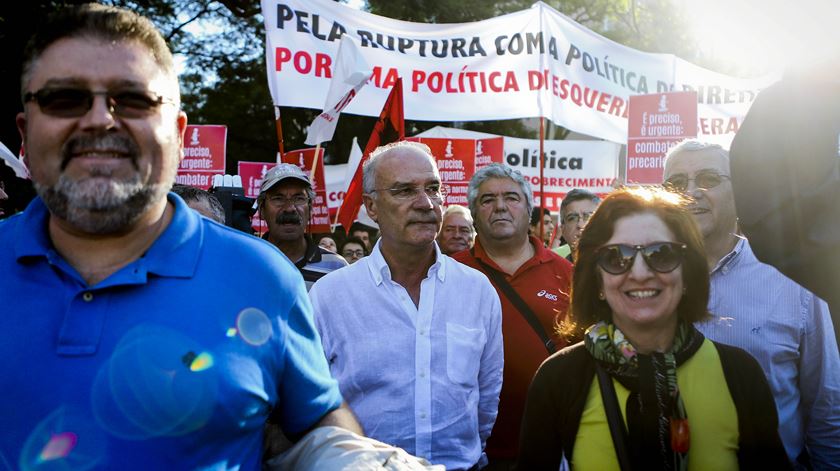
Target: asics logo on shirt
[{"x": 545, "y": 294}]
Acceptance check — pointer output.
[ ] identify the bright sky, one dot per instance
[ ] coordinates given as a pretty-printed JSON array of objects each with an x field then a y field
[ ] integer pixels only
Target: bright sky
[{"x": 760, "y": 36}]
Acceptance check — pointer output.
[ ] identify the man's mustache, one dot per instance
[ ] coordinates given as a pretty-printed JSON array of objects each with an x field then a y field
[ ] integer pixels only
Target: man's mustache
[
  {"x": 288, "y": 218},
  {"x": 100, "y": 142}
]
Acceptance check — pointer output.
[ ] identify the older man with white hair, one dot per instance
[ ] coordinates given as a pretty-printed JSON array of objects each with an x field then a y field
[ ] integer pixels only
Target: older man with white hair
[{"x": 413, "y": 337}]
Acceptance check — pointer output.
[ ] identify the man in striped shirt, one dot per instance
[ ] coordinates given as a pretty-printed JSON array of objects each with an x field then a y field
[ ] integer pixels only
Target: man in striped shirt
[{"x": 754, "y": 307}]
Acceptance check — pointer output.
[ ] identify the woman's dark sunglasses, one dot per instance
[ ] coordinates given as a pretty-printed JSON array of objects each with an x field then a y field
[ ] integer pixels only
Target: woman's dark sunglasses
[
  {"x": 76, "y": 102},
  {"x": 662, "y": 257}
]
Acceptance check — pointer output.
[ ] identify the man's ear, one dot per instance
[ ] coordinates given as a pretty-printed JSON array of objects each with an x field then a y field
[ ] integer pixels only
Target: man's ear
[
  {"x": 181, "y": 123},
  {"x": 370, "y": 206},
  {"x": 20, "y": 121}
]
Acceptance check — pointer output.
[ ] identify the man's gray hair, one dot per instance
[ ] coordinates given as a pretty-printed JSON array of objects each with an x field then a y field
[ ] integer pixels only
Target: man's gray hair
[
  {"x": 694, "y": 145},
  {"x": 458, "y": 209},
  {"x": 369, "y": 169},
  {"x": 498, "y": 171}
]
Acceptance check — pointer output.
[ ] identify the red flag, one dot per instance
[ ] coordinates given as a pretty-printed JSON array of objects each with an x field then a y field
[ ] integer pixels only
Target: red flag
[{"x": 389, "y": 128}]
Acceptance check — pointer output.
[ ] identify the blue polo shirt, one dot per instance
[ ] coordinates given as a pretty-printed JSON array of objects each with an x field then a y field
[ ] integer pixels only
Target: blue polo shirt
[{"x": 173, "y": 362}]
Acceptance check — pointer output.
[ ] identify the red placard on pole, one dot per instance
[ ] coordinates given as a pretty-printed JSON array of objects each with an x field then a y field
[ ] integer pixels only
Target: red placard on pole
[
  {"x": 656, "y": 123},
  {"x": 205, "y": 148}
]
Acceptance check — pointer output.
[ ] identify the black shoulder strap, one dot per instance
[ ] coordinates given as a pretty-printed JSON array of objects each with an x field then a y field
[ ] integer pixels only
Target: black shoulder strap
[
  {"x": 518, "y": 302},
  {"x": 616, "y": 423}
]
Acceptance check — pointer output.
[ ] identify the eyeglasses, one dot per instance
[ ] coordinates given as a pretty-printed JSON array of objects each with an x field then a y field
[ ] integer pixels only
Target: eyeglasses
[
  {"x": 435, "y": 192},
  {"x": 662, "y": 257},
  {"x": 281, "y": 201},
  {"x": 76, "y": 102},
  {"x": 704, "y": 180},
  {"x": 573, "y": 218},
  {"x": 353, "y": 253}
]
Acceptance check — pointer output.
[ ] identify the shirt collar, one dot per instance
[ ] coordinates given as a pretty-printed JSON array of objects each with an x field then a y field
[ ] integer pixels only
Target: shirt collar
[
  {"x": 541, "y": 254},
  {"x": 175, "y": 253},
  {"x": 732, "y": 257},
  {"x": 380, "y": 270}
]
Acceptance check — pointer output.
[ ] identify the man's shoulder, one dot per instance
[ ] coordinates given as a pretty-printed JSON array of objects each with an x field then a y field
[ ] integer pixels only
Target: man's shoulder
[
  {"x": 326, "y": 260},
  {"x": 551, "y": 257},
  {"x": 241, "y": 249},
  {"x": 348, "y": 276},
  {"x": 458, "y": 268}
]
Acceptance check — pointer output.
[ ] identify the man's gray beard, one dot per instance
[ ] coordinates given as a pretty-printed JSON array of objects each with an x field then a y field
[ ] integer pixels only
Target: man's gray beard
[{"x": 98, "y": 205}]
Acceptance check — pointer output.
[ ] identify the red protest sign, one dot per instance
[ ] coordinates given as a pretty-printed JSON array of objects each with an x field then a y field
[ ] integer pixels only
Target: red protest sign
[
  {"x": 488, "y": 151},
  {"x": 319, "y": 215},
  {"x": 204, "y": 155},
  {"x": 201, "y": 180},
  {"x": 456, "y": 164},
  {"x": 656, "y": 123},
  {"x": 252, "y": 174}
]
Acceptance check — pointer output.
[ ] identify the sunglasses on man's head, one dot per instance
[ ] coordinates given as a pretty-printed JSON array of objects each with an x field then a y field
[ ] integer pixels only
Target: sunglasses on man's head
[
  {"x": 662, "y": 257},
  {"x": 704, "y": 180},
  {"x": 71, "y": 102}
]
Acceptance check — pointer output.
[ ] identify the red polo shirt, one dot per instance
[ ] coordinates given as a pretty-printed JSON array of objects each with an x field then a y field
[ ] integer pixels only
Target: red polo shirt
[{"x": 543, "y": 282}]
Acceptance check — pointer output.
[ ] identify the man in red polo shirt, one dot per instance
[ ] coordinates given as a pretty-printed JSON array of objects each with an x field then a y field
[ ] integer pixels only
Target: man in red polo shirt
[{"x": 528, "y": 277}]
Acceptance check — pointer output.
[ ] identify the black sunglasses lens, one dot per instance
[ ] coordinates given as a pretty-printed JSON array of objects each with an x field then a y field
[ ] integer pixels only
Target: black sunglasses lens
[
  {"x": 615, "y": 260},
  {"x": 65, "y": 102},
  {"x": 663, "y": 257},
  {"x": 131, "y": 103}
]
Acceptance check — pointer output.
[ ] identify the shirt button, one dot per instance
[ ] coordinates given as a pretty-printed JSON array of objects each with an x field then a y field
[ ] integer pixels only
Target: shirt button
[
  {"x": 422, "y": 374},
  {"x": 88, "y": 296},
  {"x": 422, "y": 415},
  {"x": 422, "y": 332}
]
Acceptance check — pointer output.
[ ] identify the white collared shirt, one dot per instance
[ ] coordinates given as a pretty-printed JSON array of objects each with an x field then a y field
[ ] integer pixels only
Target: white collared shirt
[{"x": 425, "y": 378}]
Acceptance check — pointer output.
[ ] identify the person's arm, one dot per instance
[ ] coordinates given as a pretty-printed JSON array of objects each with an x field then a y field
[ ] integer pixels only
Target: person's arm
[
  {"x": 819, "y": 384},
  {"x": 759, "y": 445},
  {"x": 342, "y": 417},
  {"x": 491, "y": 368},
  {"x": 540, "y": 438}
]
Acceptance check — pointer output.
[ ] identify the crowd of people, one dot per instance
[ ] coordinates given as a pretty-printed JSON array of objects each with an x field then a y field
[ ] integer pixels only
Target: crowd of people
[{"x": 635, "y": 332}]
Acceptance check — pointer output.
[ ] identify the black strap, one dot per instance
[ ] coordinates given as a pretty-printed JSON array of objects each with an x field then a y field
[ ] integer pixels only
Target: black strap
[
  {"x": 616, "y": 423},
  {"x": 521, "y": 306}
]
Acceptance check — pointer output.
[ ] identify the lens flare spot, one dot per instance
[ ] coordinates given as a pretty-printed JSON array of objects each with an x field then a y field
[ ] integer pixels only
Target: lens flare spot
[
  {"x": 231, "y": 332},
  {"x": 254, "y": 326},
  {"x": 58, "y": 447},
  {"x": 203, "y": 361}
]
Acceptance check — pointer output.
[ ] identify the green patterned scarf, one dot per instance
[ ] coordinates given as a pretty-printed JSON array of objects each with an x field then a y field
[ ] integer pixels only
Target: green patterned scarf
[{"x": 656, "y": 418}]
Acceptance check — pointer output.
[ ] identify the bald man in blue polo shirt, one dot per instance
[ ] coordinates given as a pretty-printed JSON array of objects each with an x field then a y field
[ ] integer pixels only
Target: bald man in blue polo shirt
[{"x": 138, "y": 335}]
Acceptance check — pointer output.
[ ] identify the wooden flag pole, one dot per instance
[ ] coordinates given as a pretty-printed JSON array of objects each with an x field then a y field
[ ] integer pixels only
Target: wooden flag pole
[
  {"x": 279, "y": 126},
  {"x": 315, "y": 164}
]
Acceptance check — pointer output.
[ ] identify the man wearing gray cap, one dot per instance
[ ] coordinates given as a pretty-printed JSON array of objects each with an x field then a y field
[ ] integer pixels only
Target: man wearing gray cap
[{"x": 285, "y": 202}]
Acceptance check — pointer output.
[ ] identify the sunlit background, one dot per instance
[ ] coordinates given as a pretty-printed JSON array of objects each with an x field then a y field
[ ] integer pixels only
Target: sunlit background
[{"x": 753, "y": 37}]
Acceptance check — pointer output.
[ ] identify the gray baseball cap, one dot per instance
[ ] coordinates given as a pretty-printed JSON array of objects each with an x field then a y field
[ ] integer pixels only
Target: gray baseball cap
[{"x": 281, "y": 172}]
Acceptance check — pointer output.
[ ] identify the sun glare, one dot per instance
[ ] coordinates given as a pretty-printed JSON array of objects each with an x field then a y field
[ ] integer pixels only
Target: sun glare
[{"x": 756, "y": 37}]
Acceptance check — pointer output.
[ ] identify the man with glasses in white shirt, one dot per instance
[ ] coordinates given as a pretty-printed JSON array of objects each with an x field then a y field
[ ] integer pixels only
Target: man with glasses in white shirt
[
  {"x": 754, "y": 307},
  {"x": 413, "y": 337}
]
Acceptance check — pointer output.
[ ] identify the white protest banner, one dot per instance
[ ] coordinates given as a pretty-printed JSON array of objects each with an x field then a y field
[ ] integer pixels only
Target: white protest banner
[
  {"x": 536, "y": 62},
  {"x": 590, "y": 165},
  {"x": 349, "y": 76}
]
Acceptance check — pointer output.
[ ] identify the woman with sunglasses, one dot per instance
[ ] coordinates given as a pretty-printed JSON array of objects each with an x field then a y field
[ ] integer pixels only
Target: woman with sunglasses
[{"x": 644, "y": 389}]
